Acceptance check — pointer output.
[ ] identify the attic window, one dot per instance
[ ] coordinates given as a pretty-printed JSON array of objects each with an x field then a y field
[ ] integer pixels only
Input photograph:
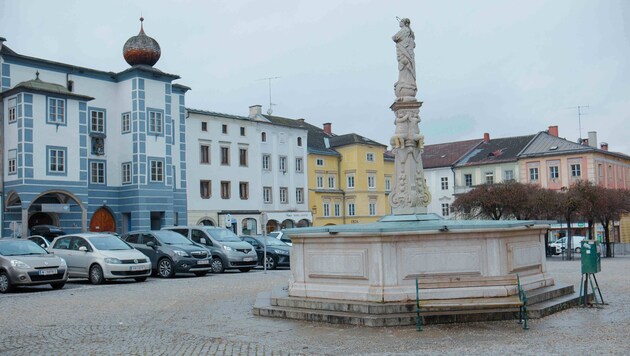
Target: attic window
[{"x": 553, "y": 148}]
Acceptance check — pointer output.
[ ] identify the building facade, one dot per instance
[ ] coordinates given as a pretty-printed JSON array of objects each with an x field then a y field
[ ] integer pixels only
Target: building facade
[
  {"x": 86, "y": 149},
  {"x": 246, "y": 172}
]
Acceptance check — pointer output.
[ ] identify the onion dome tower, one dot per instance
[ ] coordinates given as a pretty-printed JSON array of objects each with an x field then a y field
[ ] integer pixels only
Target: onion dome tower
[{"x": 141, "y": 49}]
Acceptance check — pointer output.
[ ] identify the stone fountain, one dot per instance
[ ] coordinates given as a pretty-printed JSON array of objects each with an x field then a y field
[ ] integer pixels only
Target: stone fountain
[{"x": 366, "y": 274}]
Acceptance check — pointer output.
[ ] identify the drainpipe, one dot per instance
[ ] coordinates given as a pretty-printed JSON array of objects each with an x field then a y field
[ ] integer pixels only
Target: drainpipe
[{"x": 343, "y": 193}]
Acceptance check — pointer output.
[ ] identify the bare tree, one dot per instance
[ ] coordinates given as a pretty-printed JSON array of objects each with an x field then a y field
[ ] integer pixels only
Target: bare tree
[{"x": 608, "y": 207}]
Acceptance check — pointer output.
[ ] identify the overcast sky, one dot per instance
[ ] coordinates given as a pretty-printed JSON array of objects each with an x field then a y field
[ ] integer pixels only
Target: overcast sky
[{"x": 508, "y": 68}]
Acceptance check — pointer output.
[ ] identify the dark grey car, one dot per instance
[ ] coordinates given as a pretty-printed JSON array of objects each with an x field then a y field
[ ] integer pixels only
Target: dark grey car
[
  {"x": 170, "y": 252},
  {"x": 25, "y": 263}
]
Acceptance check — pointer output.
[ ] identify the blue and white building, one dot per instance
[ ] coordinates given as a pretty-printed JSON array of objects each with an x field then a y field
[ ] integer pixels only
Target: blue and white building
[{"x": 93, "y": 150}]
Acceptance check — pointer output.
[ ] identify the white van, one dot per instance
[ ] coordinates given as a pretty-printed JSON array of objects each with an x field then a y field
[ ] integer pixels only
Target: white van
[{"x": 561, "y": 244}]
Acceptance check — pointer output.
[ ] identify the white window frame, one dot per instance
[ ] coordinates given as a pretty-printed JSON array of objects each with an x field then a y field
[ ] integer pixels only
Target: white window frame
[
  {"x": 319, "y": 181},
  {"x": 97, "y": 172},
  {"x": 534, "y": 174},
  {"x": 157, "y": 171},
  {"x": 489, "y": 177},
  {"x": 372, "y": 208},
  {"x": 56, "y": 111},
  {"x": 267, "y": 195},
  {"x": 351, "y": 209},
  {"x": 369, "y": 157},
  {"x": 350, "y": 181},
  {"x": 326, "y": 210},
  {"x": 284, "y": 195},
  {"x": 12, "y": 161},
  {"x": 282, "y": 164},
  {"x": 299, "y": 195},
  {"x": 156, "y": 123},
  {"x": 12, "y": 105},
  {"x": 446, "y": 209},
  {"x": 371, "y": 181},
  {"x": 337, "y": 209},
  {"x": 266, "y": 162},
  {"x": 299, "y": 167},
  {"x": 576, "y": 170},
  {"x": 126, "y": 173},
  {"x": 97, "y": 120},
  {"x": 125, "y": 122},
  {"x": 331, "y": 182},
  {"x": 319, "y": 162},
  {"x": 444, "y": 183},
  {"x": 554, "y": 172},
  {"x": 468, "y": 180},
  {"x": 388, "y": 183}
]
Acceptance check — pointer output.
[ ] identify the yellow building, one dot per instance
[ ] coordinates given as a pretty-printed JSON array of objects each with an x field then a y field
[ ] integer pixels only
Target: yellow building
[{"x": 349, "y": 176}]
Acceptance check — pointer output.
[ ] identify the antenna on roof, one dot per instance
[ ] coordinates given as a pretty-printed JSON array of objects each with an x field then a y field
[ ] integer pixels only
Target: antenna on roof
[
  {"x": 579, "y": 109},
  {"x": 269, "y": 79}
]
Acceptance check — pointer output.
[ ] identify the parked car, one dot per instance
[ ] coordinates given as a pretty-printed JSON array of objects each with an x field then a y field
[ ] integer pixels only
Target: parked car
[
  {"x": 40, "y": 240},
  {"x": 99, "y": 257},
  {"x": 47, "y": 231},
  {"x": 228, "y": 250},
  {"x": 280, "y": 235},
  {"x": 25, "y": 263},
  {"x": 560, "y": 245},
  {"x": 170, "y": 252},
  {"x": 278, "y": 252}
]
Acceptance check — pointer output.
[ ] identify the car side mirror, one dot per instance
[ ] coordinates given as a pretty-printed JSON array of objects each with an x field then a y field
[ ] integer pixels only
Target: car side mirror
[
  {"x": 151, "y": 244},
  {"x": 43, "y": 245},
  {"x": 83, "y": 248}
]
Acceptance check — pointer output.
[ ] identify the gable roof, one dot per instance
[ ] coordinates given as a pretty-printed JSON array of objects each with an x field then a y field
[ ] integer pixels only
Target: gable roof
[
  {"x": 447, "y": 154},
  {"x": 351, "y": 139},
  {"x": 498, "y": 150},
  {"x": 545, "y": 144},
  {"x": 317, "y": 139}
]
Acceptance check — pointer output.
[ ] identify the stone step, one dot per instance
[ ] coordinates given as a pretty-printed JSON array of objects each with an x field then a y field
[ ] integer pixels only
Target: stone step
[{"x": 277, "y": 303}]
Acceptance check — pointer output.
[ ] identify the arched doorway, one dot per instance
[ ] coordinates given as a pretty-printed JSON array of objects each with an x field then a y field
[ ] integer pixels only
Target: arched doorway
[
  {"x": 303, "y": 223},
  {"x": 249, "y": 226},
  {"x": 287, "y": 224},
  {"x": 102, "y": 220},
  {"x": 206, "y": 222},
  {"x": 272, "y": 225},
  {"x": 40, "y": 219}
]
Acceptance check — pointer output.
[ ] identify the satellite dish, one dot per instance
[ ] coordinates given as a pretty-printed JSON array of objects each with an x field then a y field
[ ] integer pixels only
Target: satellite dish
[{"x": 269, "y": 111}]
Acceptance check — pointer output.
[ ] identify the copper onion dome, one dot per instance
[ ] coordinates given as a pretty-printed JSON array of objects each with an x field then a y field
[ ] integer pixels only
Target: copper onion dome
[{"x": 141, "y": 49}]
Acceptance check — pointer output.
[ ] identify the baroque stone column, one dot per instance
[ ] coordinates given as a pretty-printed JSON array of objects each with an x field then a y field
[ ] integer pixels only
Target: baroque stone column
[{"x": 410, "y": 194}]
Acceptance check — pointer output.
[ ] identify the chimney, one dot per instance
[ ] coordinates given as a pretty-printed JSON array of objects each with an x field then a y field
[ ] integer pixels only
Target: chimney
[
  {"x": 255, "y": 110},
  {"x": 604, "y": 146},
  {"x": 592, "y": 139},
  {"x": 553, "y": 130},
  {"x": 328, "y": 128},
  {"x": 486, "y": 137},
  {"x": 300, "y": 120},
  {"x": 2, "y": 39}
]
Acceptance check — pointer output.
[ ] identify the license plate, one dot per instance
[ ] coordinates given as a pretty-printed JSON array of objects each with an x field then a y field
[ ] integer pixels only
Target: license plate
[
  {"x": 137, "y": 268},
  {"x": 47, "y": 272},
  {"x": 203, "y": 262},
  {"x": 248, "y": 259}
]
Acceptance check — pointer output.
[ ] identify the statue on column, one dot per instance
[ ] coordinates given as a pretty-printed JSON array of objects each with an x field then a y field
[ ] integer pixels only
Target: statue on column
[
  {"x": 410, "y": 194},
  {"x": 405, "y": 88}
]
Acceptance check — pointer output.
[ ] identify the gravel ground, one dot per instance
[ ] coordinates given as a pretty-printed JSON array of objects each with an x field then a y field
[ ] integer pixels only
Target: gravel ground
[{"x": 212, "y": 315}]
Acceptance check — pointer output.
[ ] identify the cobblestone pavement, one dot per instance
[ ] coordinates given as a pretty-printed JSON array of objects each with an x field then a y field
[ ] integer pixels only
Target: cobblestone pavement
[{"x": 212, "y": 315}]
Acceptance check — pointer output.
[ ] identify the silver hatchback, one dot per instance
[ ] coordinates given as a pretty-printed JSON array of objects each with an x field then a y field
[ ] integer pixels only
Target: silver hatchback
[
  {"x": 24, "y": 263},
  {"x": 99, "y": 256}
]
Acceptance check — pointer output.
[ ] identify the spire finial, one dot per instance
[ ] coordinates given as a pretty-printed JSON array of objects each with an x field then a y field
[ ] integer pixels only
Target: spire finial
[
  {"x": 141, "y": 21},
  {"x": 37, "y": 75}
]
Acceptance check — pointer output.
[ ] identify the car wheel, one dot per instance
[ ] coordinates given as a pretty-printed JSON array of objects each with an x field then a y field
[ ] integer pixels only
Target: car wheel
[
  {"x": 270, "y": 262},
  {"x": 57, "y": 285},
  {"x": 201, "y": 273},
  {"x": 140, "y": 279},
  {"x": 217, "y": 265},
  {"x": 244, "y": 269},
  {"x": 165, "y": 268},
  {"x": 5, "y": 283},
  {"x": 96, "y": 274}
]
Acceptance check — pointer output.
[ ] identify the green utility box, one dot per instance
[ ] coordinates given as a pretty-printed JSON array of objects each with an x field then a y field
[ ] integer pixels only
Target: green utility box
[{"x": 591, "y": 256}]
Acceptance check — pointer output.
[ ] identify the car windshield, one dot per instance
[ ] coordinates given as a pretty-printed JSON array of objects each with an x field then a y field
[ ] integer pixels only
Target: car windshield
[
  {"x": 274, "y": 234},
  {"x": 223, "y": 235},
  {"x": 271, "y": 241},
  {"x": 109, "y": 242},
  {"x": 20, "y": 248},
  {"x": 172, "y": 238}
]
